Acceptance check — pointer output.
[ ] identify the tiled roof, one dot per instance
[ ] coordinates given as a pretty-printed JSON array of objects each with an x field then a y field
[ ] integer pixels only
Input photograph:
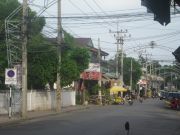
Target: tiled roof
[
  {"x": 87, "y": 43},
  {"x": 82, "y": 42}
]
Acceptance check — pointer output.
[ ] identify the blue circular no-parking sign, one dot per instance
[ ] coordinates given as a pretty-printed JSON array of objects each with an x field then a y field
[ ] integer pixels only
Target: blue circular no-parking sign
[
  {"x": 11, "y": 76},
  {"x": 11, "y": 73}
]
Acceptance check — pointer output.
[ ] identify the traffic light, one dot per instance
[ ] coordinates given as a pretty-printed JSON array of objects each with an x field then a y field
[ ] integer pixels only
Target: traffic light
[
  {"x": 176, "y": 53},
  {"x": 160, "y": 9},
  {"x": 177, "y": 2}
]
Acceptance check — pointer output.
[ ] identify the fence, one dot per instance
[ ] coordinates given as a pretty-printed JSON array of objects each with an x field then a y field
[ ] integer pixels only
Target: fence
[{"x": 36, "y": 100}]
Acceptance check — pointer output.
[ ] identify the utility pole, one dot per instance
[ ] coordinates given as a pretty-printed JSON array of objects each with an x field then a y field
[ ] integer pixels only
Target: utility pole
[
  {"x": 164, "y": 79},
  {"x": 150, "y": 71},
  {"x": 153, "y": 68},
  {"x": 171, "y": 83},
  {"x": 122, "y": 60},
  {"x": 100, "y": 77},
  {"x": 146, "y": 76},
  {"x": 120, "y": 35},
  {"x": 59, "y": 41},
  {"x": 117, "y": 61},
  {"x": 117, "y": 53},
  {"x": 24, "y": 60},
  {"x": 152, "y": 74},
  {"x": 131, "y": 76}
]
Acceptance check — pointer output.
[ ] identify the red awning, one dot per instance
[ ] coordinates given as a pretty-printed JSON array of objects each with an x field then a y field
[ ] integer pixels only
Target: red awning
[{"x": 91, "y": 75}]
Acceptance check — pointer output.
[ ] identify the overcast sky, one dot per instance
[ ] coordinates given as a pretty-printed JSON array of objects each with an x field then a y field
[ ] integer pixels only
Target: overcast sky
[{"x": 143, "y": 29}]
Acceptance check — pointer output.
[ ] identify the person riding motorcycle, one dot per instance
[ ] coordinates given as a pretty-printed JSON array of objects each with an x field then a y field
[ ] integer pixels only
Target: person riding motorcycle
[
  {"x": 129, "y": 99},
  {"x": 141, "y": 94}
]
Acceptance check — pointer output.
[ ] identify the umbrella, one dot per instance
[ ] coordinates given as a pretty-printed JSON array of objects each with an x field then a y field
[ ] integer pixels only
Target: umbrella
[{"x": 116, "y": 89}]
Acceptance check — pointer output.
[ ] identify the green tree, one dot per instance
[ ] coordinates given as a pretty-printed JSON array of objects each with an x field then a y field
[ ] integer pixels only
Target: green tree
[
  {"x": 42, "y": 54},
  {"x": 35, "y": 23},
  {"x": 136, "y": 71},
  {"x": 42, "y": 59},
  {"x": 81, "y": 57},
  {"x": 74, "y": 61},
  {"x": 6, "y": 6},
  {"x": 3, "y": 64},
  {"x": 42, "y": 62},
  {"x": 171, "y": 75}
]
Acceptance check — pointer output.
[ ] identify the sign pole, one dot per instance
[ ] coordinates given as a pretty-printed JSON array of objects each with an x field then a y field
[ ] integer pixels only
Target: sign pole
[
  {"x": 10, "y": 103},
  {"x": 10, "y": 80}
]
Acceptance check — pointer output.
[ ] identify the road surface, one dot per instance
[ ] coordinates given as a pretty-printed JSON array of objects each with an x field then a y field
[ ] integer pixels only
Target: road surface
[{"x": 147, "y": 118}]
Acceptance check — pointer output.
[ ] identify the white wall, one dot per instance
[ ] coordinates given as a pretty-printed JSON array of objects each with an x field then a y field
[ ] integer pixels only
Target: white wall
[
  {"x": 68, "y": 98},
  {"x": 3, "y": 103},
  {"x": 38, "y": 100}
]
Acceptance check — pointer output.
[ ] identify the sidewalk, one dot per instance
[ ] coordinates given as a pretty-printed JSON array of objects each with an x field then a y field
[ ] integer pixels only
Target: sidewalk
[{"x": 5, "y": 121}]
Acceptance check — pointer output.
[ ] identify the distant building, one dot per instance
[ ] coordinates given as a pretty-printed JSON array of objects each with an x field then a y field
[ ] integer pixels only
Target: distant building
[
  {"x": 87, "y": 43},
  {"x": 91, "y": 78}
]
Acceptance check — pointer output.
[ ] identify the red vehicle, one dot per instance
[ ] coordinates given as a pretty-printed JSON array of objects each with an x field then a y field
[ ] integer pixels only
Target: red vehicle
[
  {"x": 175, "y": 103},
  {"x": 173, "y": 100}
]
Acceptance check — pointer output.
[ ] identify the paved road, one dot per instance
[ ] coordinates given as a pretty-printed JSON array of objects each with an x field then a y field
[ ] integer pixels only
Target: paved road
[{"x": 148, "y": 118}]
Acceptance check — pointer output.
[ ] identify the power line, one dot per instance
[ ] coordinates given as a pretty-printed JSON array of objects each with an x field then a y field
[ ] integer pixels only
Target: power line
[
  {"x": 171, "y": 34},
  {"x": 90, "y": 7},
  {"x": 77, "y": 7},
  {"x": 99, "y": 7},
  {"x": 148, "y": 37},
  {"x": 106, "y": 16},
  {"x": 96, "y": 12},
  {"x": 109, "y": 49}
]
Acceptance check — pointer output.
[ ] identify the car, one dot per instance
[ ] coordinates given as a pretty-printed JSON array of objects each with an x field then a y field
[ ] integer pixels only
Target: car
[{"x": 173, "y": 100}]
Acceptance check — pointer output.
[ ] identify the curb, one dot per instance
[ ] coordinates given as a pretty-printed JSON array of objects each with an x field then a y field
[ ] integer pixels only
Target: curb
[{"x": 20, "y": 120}]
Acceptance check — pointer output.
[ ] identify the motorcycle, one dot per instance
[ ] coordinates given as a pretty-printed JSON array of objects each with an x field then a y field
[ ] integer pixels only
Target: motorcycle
[
  {"x": 130, "y": 101},
  {"x": 140, "y": 100}
]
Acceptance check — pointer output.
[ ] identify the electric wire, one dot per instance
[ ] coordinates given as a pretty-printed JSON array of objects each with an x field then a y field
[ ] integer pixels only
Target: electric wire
[
  {"x": 77, "y": 7},
  {"x": 169, "y": 35},
  {"x": 96, "y": 13}
]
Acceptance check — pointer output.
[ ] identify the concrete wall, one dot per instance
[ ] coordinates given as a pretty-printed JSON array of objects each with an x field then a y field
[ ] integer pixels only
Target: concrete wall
[
  {"x": 36, "y": 100},
  {"x": 68, "y": 98},
  {"x": 3, "y": 103},
  {"x": 40, "y": 100}
]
